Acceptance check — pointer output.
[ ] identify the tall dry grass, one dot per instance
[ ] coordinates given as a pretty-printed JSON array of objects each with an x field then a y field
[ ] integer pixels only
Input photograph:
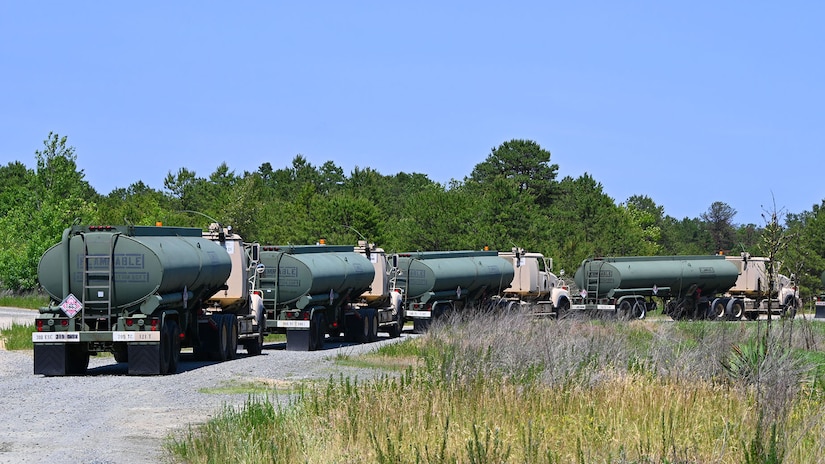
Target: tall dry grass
[{"x": 506, "y": 388}]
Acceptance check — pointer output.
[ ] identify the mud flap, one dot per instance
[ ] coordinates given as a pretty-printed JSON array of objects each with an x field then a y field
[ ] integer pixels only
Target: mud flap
[
  {"x": 298, "y": 340},
  {"x": 144, "y": 359},
  {"x": 820, "y": 310},
  {"x": 51, "y": 359},
  {"x": 421, "y": 325}
]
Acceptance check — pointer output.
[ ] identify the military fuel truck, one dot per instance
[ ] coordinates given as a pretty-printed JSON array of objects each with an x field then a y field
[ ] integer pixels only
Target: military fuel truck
[
  {"x": 820, "y": 300},
  {"x": 142, "y": 293},
  {"x": 534, "y": 285},
  {"x": 433, "y": 283},
  {"x": 689, "y": 286},
  {"x": 382, "y": 298},
  {"x": 752, "y": 289},
  {"x": 309, "y": 291}
]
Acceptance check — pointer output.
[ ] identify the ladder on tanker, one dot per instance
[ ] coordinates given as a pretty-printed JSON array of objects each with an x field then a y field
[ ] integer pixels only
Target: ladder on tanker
[
  {"x": 593, "y": 281},
  {"x": 98, "y": 279}
]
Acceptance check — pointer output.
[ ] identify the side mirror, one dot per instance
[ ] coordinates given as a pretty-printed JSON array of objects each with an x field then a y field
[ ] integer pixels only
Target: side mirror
[{"x": 255, "y": 252}]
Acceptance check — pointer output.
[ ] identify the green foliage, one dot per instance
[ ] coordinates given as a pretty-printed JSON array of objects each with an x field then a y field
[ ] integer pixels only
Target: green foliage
[
  {"x": 18, "y": 336},
  {"x": 511, "y": 198},
  {"x": 44, "y": 202},
  {"x": 475, "y": 399}
]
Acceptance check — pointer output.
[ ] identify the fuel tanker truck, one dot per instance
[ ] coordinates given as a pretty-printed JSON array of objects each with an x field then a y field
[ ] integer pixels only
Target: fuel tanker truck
[
  {"x": 142, "y": 293},
  {"x": 309, "y": 291},
  {"x": 692, "y": 287},
  {"x": 820, "y": 300},
  {"x": 753, "y": 288},
  {"x": 433, "y": 283},
  {"x": 534, "y": 285},
  {"x": 382, "y": 298}
]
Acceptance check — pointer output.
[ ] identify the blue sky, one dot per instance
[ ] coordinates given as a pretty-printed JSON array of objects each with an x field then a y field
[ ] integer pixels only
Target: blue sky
[{"x": 686, "y": 102}]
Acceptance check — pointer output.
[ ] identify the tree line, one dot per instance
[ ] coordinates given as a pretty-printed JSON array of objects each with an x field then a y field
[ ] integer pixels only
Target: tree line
[{"x": 511, "y": 198}]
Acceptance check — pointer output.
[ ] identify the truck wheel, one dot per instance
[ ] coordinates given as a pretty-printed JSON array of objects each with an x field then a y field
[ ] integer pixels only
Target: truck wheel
[
  {"x": 563, "y": 309},
  {"x": 321, "y": 332},
  {"x": 232, "y": 333},
  {"x": 373, "y": 326},
  {"x": 717, "y": 310},
  {"x": 174, "y": 345},
  {"x": 219, "y": 349},
  {"x": 363, "y": 335},
  {"x": 254, "y": 346},
  {"x": 398, "y": 326},
  {"x": 736, "y": 310},
  {"x": 639, "y": 310},
  {"x": 165, "y": 349},
  {"x": 317, "y": 331},
  {"x": 623, "y": 311},
  {"x": 121, "y": 352},
  {"x": 369, "y": 326}
]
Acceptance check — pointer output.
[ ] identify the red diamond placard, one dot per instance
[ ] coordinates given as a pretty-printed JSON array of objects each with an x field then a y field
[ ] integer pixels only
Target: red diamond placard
[{"x": 71, "y": 305}]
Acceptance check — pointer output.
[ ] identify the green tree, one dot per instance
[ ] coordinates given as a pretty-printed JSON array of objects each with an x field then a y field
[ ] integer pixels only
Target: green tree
[
  {"x": 16, "y": 186},
  {"x": 719, "y": 221},
  {"x": 136, "y": 204},
  {"x": 57, "y": 196},
  {"x": 434, "y": 219},
  {"x": 525, "y": 163},
  {"x": 647, "y": 217},
  {"x": 686, "y": 237}
]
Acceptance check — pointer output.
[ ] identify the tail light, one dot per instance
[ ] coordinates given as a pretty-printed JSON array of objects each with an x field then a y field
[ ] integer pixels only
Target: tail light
[{"x": 39, "y": 325}]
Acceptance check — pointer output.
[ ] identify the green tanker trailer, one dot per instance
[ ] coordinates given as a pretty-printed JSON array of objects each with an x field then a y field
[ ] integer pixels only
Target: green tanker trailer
[
  {"x": 141, "y": 293},
  {"x": 308, "y": 291},
  {"x": 432, "y": 283},
  {"x": 689, "y": 286}
]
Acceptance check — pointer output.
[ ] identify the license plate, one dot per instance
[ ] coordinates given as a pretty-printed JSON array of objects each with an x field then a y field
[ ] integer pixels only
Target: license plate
[
  {"x": 135, "y": 336},
  {"x": 293, "y": 324},
  {"x": 41, "y": 337},
  {"x": 419, "y": 314}
]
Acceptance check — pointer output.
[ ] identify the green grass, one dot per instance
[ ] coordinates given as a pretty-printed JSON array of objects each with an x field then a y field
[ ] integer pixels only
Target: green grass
[
  {"x": 394, "y": 356},
  {"x": 490, "y": 390},
  {"x": 18, "y": 336},
  {"x": 28, "y": 301},
  {"x": 255, "y": 387},
  {"x": 275, "y": 338}
]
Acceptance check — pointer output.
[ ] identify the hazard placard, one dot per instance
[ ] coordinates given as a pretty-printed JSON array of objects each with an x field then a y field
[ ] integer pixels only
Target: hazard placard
[{"x": 71, "y": 305}]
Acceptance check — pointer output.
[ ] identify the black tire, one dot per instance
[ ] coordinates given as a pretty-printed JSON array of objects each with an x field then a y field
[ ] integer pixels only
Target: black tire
[
  {"x": 737, "y": 309},
  {"x": 639, "y": 310},
  {"x": 232, "y": 333},
  {"x": 372, "y": 325},
  {"x": 321, "y": 332},
  {"x": 718, "y": 310},
  {"x": 394, "y": 330},
  {"x": 165, "y": 349},
  {"x": 174, "y": 336},
  {"x": 255, "y": 346},
  {"x": 121, "y": 352},
  {"x": 219, "y": 350},
  {"x": 317, "y": 331},
  {"x": 623, "y": 312},
  {"x": 563, "y": 310},
  {"x": 365, "y": 323}
]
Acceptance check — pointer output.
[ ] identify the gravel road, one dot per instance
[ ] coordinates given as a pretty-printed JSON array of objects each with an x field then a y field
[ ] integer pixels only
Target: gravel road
[{"x": 109, "y": 417}]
